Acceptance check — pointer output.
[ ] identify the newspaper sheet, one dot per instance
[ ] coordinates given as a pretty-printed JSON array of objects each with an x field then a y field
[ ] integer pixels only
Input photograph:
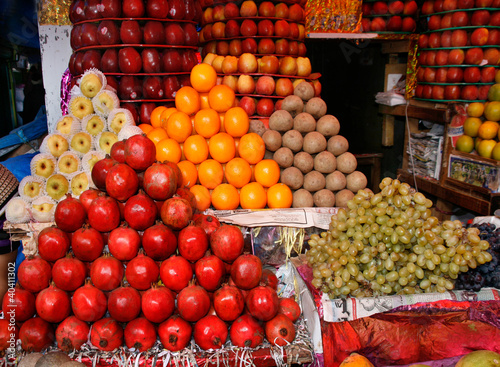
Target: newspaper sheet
[
  {"x": 348, "y": 309},
  {"x": 293, "y": 217}
]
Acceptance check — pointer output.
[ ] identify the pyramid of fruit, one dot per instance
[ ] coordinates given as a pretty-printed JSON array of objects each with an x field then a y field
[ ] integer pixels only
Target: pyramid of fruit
[{"x": 133, "y": 265}]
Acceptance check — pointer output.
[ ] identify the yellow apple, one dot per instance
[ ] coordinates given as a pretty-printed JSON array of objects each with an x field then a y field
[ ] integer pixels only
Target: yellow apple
[
  {"x": 56, "y": 144},
  {"x": 106, "y": 141},
  {"x": 67, "y": 124},
  {"x": 32, "y": 189},
  {"x": 94, "y": 124},
  {"x": 57, "y": 186},
  {"x": 81, "y": 142},
  {"x": 43, "y": 165},
  {"x": 79, "y": 183},
  {"x": 81, "y": 106},
  {"x": 43, "y": 211},
  {"x": 68, "y": 163},
  {"x": 105, "y": 101},
  {"x": 118, "y": 118},
  {"x": 90, "y": 85}
]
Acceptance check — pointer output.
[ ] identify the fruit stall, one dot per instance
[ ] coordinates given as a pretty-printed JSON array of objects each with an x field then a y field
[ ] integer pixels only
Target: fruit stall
[{"x": 195, "y": 203}]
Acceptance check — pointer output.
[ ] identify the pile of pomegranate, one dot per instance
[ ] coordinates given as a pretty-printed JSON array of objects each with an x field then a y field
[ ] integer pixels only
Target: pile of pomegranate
[{"x": 132, "y": 263}]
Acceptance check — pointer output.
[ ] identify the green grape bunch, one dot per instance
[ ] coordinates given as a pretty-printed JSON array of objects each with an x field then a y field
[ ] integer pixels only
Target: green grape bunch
[{"x": 390, "y": 243}]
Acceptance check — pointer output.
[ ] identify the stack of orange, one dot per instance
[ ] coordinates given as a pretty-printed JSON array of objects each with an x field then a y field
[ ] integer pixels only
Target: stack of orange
[{"x": 206, "y": 134}]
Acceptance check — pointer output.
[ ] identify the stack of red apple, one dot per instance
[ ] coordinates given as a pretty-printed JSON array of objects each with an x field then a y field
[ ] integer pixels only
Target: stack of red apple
[
  {"x": 145, "y": 221},
  {"x": 461, "y": 50},
  {"x": 146, "y": 48},
  {"x": 389, "y": 16}
]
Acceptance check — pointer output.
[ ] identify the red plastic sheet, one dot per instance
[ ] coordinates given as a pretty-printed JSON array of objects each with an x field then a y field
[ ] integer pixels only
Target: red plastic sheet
[{"x": 417, "y": 333}]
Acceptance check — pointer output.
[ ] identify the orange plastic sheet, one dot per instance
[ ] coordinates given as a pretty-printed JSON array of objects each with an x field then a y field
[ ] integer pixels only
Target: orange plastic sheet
[{"x": 411, "y": 334}]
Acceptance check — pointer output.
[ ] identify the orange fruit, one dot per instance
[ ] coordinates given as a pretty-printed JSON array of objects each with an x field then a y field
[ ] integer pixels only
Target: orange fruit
[
  {"x": 492, "y": 111},
  {"x": 189, "y": 173},
  {"x": 168, "y": 150},
  {"x": 202, "y": 196},
  {"x": 204, "y": 101},
  {"x": 145, "y": 128},
  {"x": 179, "y": 126},
  {"x": 475, "y": 109},
  {"x": 207, "y": 122},
  {"x": 187, "y": 100},
  {"x": 221, "y": 98},
  {"x": 279, "y": 196},
  {"x": 253, "y": 196},
  {"x": 225, "y": 197},
  {"x": 155, "y": 116},
  {"x": 488, "y": 130},
  {"x": 221, "y": 147},
  {"x": 236, "y": 122},
  {"x": 195, "y": 149},
  {"x": 210, "y": 173},
  {"x": 485, "y": 148},
  {"x": 471, "y": 126},
  {"x": 165, "y": 115},
  {"x": 267, "y": 172},
  {"x": 251, "y": 148},
  {"x": 465, "y": 144},
  {"x": 203, "y": 77},
  {"x": 157, "y": 134},
  {"x": 238, "y": 172}
]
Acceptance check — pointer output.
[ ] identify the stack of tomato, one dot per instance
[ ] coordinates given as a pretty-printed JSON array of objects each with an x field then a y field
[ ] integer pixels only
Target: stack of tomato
[{"x": 167, "y": 273}]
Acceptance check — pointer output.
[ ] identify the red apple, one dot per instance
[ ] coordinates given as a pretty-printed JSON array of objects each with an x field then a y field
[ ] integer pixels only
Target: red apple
[
  {"x": 76, "y": 37},
  {"x": 207, "y": 16},
  {"x": 170, "y": 86},
  {"x": 231, "y": 81},
  {"x": 247, "y": 63},
  {"x": 483, "y": 3},
  {"x": 288, "y": 66},
  {"x": 284, "y": 87},
  {"x": 218, "y": 13},
  {"x": 495, "y": 19},
  {"x": 108, "y": 33},
  {"x": 235, "y": 47},
  {"x": 184, "y": 80},
  {"x": 302, "y": 32},
  {"x": 378, "y": 24},
  {"x": 366, "y": 9},
  {"x": 431, "y": 58},
  {"x": 265, "y": 28},
  {"x": 281, "y": 11},
  {"x": 428, "y": 7},
  {"x": 130, "y": 88},
  {"x": 266, "y": 9},
  {"x": 460, "y": 19},
  {"x": 130, "y": 32},
  {"x": 282, "y": 46},
  {"x": 248, "y": 104},
  {"x": 91, "y": 59},
  {"x": 396, "y": 7},
  {"x": 479, "y": 37},
  {"x": 435, "y": 40},
  {"x": 420, "y": 74},
  {"x": 438, "y": 92},
  {"x": 442, "y": 57},
  {"x": 446, "y": 39},
  {"x": 438, "y": 6},
  {"x": 449, "y": 5},
  {"x": 249, "y": 45},
  {"x": 222, "y": 48},
  {"x": 482, "y": 93},
  {"x": 281, "y": 28},
  {"x": 245, "y": 84},
  {"x": 189, "y": 60},
  {"x": 454, "y": 75},
  {"x": 472, "y": 75},
  {"x": 474, "y": 56},
  {"x": 430, "y": 75},
  {"x": 296, "y": 13},
  {"x": 394, "y": 24},
  {"x": 206, "y": 32},
  {"x": 109, "y": 60},
  {"x": 92, "y": 9},
  {"x": 77, "y": 11},
  {"x": 153, "y": 33},
  {"x": 174, "y": 34},
  {"x": 302, "y": 49},
  {"x": 145, "y": 112},
  {"x": 441, "y": 75},
  {"x": 419, "y": 90},
  {"x": 152, "y": 87},
  {"x": 434, "y": 22},
  {"x": 487, "y": 74},
  {"x": 493, "y": 37},
  {"x": 410, "y": 8},
  {"x": 190, "y": 34},
  {"x": 157, "y": 9},
  {"x": 248, "y": 28},
  {"x": 469, "y": 92},
  {"x": 268, "y": 64},
  {"x": 151, "y": 60},
  {"x": 248, "y": 8},
  {"x": 293, "y": 48},
  {"x": 456, "y": 57},
  {"x": 427, "y": 92},
  {"x": 423, "y": 41},
  {"x": 129, "y": 60},
  {"x": 112, "y": 83},
  {"x": 446, "y": 21},
  {"x": 452, "y": 92},
  {"x": 480, "y": 17},
  {"x": 492, "y": 56},
  {"x": 380, "y": 8},
  {"x": 465, "y": 4},
  {"x": 266, "y": 46},
  {"x": 317, "y": 87},
  {"x": 231, "y": 10},
  {"x": 171, "y": 60},
  {"x": 177, "y": 9},
  {"x": 459, "y": 38},
  {"x": 133, "y": 8},
  {"x": 294, "y": 30},
  {"x": 219, "y": 30},
  {"x": 232, "y": 28},
  {"x": 265, "y": 107},
  {"x": 422, "y": 58},
  {"x": 75, "y": 63},
  {"x": 265, "y": 85},
  {"x": 89, "y": 34}
]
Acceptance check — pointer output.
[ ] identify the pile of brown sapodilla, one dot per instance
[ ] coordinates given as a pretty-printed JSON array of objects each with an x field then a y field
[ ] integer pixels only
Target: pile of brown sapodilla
[{"x": 303, "y": 139}]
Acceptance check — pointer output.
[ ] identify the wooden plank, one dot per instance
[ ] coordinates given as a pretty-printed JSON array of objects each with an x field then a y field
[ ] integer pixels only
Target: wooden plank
[
  {"x": 440, "y": 116},
  {"x": 388, "y": 131}
]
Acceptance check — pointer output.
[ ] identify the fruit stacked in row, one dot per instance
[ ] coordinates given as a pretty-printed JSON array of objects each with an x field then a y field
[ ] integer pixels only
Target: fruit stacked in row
[
  {"x": 145, "y": 48},
  {"x": 265, "y": 28},
  {"x": 211, "y": 140},
  {"x": 304, "y": 143},
  {"x": 206, "y": 280},
  {"x": 459, "y": 53},
  {"x": 390, "y": 243},
  {"x": 392, "y": 16},
  {"x": 486, "y": 275},
  {"x": 481, "y": 127}
]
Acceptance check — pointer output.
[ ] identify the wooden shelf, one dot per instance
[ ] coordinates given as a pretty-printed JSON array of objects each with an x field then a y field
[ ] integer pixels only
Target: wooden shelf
[{"x": 420, "y": 110}]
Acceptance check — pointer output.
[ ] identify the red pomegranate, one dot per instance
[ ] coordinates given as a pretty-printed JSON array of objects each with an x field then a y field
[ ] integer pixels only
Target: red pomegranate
[
  {"x": 175, "y": 333},
  {"x": 290, "y": 308},
  {"x": 176, "y": 213},
  {"x": 228, "y": 302},
  {"x": 34, "y": 274},
  {"x": 262, "y": 303},
  {"x": 269, "y": 278},
  {"x": 159, "y": 242},
  {"x": 87, "y": 197},
  {"x": 175, "y": 273},
  {"x": 124, "y": 304},
  {"x": 160, "y": 181},
  {"x": 106, "y": 272},
  {"x": 140, "y": 334},
  {"x": 227, "y": 243},
  {"x": 157, "y": 303},
  {"x": 177, "y": 171},
  {"x": 140, "y": 211},
  {"x": 124, "y": 242},
  {"x": 69, "y": 273},
  {"x": 9, "y": 333},
  {"x": 117, "y": 151},
  {"x": 246, "y": 332},
  {"x": 210, "y": 271},
  {"x": 192, "y": 242},
  {"x": 280, "y": 330},
  {"x": 140, "y": 152},
  {"x": 53, "y": 304},
  {"x": 53, "y": 243},
  {"x": 210, "y": 332},
  {"x": 19, "y": 303},
  {"x": 87, "y": 243},
  {"x": 89, "y": 303},
  {"x": 71, "y": 334},
  {"x": 106, "y": 334},
  {"x": 121, "y": 182},
  {"x": 142, "y": 271},
  {"x": 186, "y": 194},
  {"x": 36, "y": 334},
  {"x": 104, "y": 214},
  {"x": 193, "y": 302},
  {"x": 246, "y": 271},
  {"x": 100, "y": 171},
  {"x": 70, "y": 214},
  {"x": 208, "y": 222}
]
